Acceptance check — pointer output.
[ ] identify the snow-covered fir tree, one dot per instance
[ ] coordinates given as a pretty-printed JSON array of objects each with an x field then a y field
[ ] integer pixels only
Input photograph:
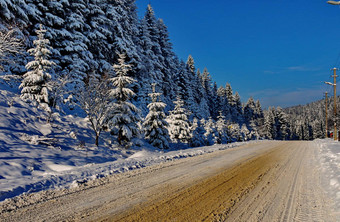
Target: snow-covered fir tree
[
  {"x": 230, "y": 100},
  {"x": 200, "y": 97},
  {"x": 191, "y": 64},
  {"x": 269, "y": 124},
  {"x": 98, "y": 33},
  {"x": 222, "y": 129},
  {"x": 198, "y": 131},
  {"x": 235, "y": 132},
  {"x": 282, "y": 124},
  {"x": 125, "y": 115},
  {"x": 151, "y": 59},
  {"x": 35, "y": 83},
  {"x": 249, "y": 110},
  {"x": 254, "y": 131},
  {"x": 211, "y": 133},
  {"x": 179, "y": 126},
  {"x": 184, "y": 87},
  {"x": 238, "y": 113},
  {"x": 168, "y": 63},
  {"x": 222, "y": 103},
  {"x": 155, "y": 125},
  {"x": 245, "y": 133}
]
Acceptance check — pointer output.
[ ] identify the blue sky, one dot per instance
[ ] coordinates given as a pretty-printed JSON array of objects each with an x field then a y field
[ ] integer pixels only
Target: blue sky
[{"x": 276, "y": 51}]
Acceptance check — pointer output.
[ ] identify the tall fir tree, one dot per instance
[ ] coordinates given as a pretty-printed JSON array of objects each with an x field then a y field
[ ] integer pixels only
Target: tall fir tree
[
  {"x": 201, "y": 99},
  {"x": 125, "y": 115},
  {"x": 269, "y": 124},
  {"x": 151, "y": 59},
  {"x": 184, "y": 87},
  {"x": 222, "y": 104},
  {"x": 76, "y": 55},
  {"x": 168, "y": 63},
  {"x": 238, "y": 113},
  {"x": 230, "y": 101},
  {"x": 249, "y": 110},
  {"x": 98, "y": 33},
  {"x": 281, "y": 124}
]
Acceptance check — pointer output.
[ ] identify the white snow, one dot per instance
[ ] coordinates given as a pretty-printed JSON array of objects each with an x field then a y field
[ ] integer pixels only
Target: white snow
[
  {"x": 36, "y": 155},
  {"x": 330, "y": 168},
  {"x": 60, "y": 167}
]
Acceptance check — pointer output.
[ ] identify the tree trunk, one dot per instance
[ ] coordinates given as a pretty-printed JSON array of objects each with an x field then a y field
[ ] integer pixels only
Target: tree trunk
[
  {"x": 120, "y": 137},
  {"x": 97, "y": 139}
]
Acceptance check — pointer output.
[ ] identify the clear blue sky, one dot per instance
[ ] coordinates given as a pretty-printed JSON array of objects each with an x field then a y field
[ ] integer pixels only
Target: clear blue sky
[{"x": 277, "y": 51}]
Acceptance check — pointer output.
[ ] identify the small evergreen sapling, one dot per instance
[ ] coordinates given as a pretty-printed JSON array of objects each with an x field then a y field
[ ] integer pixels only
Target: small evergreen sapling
[
  {"x": 179, "y": 127},
  {"x": 222, "y": 129},
  {"x": 246, "y": 135},
  {"x": 211, "y": 133},
  {"x": 198, "y": 138},
  {"x": 35, "y": 83},
  {"x": 155, "y": 125}
]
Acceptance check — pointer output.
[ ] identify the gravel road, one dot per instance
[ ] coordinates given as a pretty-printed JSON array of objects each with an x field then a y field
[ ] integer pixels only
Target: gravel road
[{"x": 264, "y": 181}]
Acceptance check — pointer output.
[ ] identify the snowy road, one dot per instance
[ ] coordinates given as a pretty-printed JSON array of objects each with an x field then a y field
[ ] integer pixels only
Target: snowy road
[{"x": 264, "y": 181}]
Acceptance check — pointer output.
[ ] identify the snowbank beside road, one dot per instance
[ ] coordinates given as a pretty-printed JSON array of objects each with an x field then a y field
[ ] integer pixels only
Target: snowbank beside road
[
  {"x": 330, "y": 165},
  {"x": 42, "y": 169}
]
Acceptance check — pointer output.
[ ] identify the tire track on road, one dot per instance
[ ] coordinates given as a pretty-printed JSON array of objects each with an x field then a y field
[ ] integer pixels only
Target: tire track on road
[
  {"x": 205, "y": 200},
  {"x": 292, "y": 192},
  {"x": 289, "y": 192}
]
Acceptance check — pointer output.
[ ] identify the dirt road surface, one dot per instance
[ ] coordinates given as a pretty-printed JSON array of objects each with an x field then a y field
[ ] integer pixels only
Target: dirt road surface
[{"x": 264, "y": 181}]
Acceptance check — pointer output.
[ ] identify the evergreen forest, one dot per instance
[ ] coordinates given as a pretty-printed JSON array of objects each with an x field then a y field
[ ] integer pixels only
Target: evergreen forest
[{"x": 97, "y": 59}]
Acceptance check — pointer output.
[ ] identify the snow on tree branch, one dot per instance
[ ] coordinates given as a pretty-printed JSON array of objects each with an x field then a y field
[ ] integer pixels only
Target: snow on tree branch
[{"x": 9, "y": 44}]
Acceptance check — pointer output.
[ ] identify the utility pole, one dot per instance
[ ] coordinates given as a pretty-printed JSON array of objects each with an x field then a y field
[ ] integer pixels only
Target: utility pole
[
  {"x": 326, "y": 109},
  {"x": 335, "y": 135},
  {"x": 335, "y": 117}
]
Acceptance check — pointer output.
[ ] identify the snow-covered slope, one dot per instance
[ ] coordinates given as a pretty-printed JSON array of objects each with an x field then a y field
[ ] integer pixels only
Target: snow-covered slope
[{"x": 37, "y": 155}]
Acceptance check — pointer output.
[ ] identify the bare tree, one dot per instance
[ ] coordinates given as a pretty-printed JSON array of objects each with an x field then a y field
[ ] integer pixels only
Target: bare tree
[
  {"x": 57, "y": 90},
  {"x": 95, "y": 101},
  {"x": 9, "y": 44}
]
